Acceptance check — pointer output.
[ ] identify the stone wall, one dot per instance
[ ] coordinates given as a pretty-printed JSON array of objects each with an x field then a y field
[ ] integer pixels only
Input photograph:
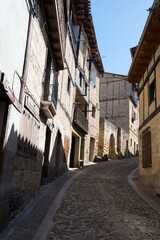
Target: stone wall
[
  {"x": 112, "y": 140},
  {"x": 25, "y": 182},
  {"x": 27, "y": 163},
  {"x": 65, "y": 107},
  {"x": 114, "y": 99},
  {"x": 118, "y": 105},
  {"x": 93, "y": 121}
]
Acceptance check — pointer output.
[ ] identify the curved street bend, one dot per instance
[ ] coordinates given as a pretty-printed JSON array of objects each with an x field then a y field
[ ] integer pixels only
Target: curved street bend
[{"x": 98, "y": 204}]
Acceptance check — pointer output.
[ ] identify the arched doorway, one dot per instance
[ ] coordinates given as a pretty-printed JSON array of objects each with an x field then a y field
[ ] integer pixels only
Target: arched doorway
[{"x": 112, "y": 152}]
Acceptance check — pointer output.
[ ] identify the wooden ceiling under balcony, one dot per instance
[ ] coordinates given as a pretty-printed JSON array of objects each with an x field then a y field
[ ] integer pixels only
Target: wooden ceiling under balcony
[
  {"x": 148, "y": 44},
  {"x": 54, "y": 31}
]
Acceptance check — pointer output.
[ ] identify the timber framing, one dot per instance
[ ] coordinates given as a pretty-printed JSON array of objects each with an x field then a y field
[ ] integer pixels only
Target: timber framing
[
  {"x": 148, "y": 75},
  {"x": 149, "y": 118}
]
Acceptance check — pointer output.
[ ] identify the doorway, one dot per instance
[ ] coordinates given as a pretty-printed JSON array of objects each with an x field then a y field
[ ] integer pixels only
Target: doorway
[
  {"x": 3, "y": 122},
  {"x": 82, "y": 148},
  {"x": 112, "y": 152},
  {"x": 46, "y": 154},
  {"x": 59, "y": 154},
  {"x": 91, "y": 153},
  {"x": 71, "y": 165}
]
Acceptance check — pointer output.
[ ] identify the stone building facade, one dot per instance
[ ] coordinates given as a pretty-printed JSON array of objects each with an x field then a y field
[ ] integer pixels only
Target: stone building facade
[
  {"x": 119, "y": 105},
  {"x": 48, "y": 102},
  {"x": 112, "y": 140},
  {"x": 145, "y": 70},
  {"x": 29, "y": 87},
  {"x": 89, "y": 66}
]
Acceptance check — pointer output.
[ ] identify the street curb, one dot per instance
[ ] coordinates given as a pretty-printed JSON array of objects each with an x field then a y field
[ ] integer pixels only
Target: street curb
[
  {"x": 46, "y": 224},
  {"x": 139, "y": 192}
]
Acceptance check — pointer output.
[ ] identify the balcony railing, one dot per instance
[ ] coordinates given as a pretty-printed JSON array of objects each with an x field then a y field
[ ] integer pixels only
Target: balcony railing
[{"x": 80, "y": 120}]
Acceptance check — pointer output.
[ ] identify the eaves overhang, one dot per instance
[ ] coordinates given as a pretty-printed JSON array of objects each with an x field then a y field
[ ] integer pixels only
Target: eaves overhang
[
  {"x": 84, "y": 16},
  {"x": 54, "y": 29},
  {"x": 148, "y": 44}
]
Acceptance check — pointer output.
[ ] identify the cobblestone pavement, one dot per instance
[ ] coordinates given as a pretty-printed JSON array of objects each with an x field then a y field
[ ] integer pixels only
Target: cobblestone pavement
[
  {"x": 26, "y": 224},
  {"x": 100, "y": 204}
]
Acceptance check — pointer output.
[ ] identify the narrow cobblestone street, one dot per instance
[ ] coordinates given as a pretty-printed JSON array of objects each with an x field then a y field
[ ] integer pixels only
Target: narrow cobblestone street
[
  {"x": 100, "y": 204},
  {"x": 95, "y": 202}
]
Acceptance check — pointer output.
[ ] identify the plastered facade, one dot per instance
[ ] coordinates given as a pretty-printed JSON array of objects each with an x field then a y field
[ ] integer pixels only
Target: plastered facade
[{"x": 149, "y": 119}]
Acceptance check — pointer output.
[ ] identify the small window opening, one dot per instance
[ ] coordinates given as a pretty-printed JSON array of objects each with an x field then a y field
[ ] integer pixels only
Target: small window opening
[
  {"x": 152, "y": 92},
  {"x": 93, "y": 111},
  {"x": 69, "y": 84}
]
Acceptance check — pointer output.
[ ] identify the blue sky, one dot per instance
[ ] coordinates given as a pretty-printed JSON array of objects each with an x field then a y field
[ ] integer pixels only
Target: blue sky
[{"x": 118, "y": 26}]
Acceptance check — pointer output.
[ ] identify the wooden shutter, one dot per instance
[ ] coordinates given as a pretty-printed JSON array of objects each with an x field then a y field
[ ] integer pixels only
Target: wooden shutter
[
  {"x": 146, "y": 149},
  {"x": 66, "y": 148}
]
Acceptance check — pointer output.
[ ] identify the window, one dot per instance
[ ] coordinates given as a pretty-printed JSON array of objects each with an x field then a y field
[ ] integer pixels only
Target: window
[
  {"x": 93, "y": 75},
  {"x": 84, "y": 55},
  {"x": 47, "y": 77},
  {"x": 85, "y": 92},
  {"x": 80, "y": 79},
  {"x": 146, "y": 149},
  {"x": 66, "y": 149},
  {"x": 50, "y": 84},
  {"x": 133, "y": 115},
  {"x": 93, "y": 111},
  {"x": 69, "y": 84},
  {"x": 70, "y": 12},
  {"x": 134, "y": 148},
  {"x": 152, "y": 92},
  {"x": 131, "y": 142}
]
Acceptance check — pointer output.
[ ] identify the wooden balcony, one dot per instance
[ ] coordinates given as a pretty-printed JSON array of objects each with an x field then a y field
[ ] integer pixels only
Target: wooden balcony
[{"x": 80, "y": 120}]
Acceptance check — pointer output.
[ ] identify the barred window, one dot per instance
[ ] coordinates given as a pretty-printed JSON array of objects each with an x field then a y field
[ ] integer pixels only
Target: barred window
[{"x": 146, "y": 149}]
